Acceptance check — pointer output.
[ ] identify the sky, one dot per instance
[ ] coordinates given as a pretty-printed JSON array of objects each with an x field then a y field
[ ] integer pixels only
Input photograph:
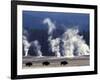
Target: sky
[{"x": 34, "y": 19}]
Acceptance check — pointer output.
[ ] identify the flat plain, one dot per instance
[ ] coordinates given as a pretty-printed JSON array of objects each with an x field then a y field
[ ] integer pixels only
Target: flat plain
[{"x": 37, "y": 62}]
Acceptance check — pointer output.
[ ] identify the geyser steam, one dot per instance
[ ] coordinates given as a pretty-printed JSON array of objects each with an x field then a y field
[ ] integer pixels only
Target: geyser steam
[
  {"x": 74, "y": 43},
  {"x": 26, "y": 43},
  {"x": 35, "y": 44},
  {"x": 70, "y": 44},
  {"x": 37, "y": 48},
  {"x": 51, "y": 25},
  {"x": 54, "y": 43}
]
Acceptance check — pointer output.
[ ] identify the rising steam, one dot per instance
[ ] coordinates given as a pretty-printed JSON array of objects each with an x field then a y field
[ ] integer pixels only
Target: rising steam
[
  {"x": 37, "y": 47},
  {"x": 74, "y": 43},
  {"x": 25, "y": 42},
  {"x": 51, "y": 25},
  {"x": 54, "y": 43},
  {"x": 70, "y": 43},
  {"x": 27, "y": 45}
]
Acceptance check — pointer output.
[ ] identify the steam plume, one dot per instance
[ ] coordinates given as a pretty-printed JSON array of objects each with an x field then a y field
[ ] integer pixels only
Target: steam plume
[
  {"x": 25, "y": 42},
  {"x": 51, "y": 25},
  {"x": 27, "y": 45},
  {"x": 74, "y": 43},
  {"x": 37, "y": 48},
  {"x": 54, "y": 43},
  {"x": 70, "y": 43}
]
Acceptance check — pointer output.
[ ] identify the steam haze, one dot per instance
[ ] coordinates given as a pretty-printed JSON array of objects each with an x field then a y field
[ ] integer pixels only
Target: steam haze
[{"x": 69, "y": 37}]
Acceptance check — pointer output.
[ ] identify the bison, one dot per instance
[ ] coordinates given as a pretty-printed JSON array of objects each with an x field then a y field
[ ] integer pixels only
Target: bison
[
  {"x": 46, "y": 63},
  {"x": 64, "y": 62},
  {"x": 28, "y": 64}
]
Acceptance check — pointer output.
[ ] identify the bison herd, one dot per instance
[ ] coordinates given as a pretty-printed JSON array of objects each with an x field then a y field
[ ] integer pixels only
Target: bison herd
[{"x": 46, "y": 63}]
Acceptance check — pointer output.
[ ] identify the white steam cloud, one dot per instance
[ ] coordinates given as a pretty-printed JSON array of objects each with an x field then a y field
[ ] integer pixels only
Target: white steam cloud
[
  {"x": 70, "y": 43},
  {"x": 51, "y": 25},
  {"x": 73, "y": 43},
  {"x": 27, "y": 45},
  {"x": 54, "y": 43},
  {"x": 37, "y": 48}
]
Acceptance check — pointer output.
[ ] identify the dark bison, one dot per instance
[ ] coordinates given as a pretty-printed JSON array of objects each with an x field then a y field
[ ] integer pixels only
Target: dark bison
[
  {"x": 64, "y": 62},
  {"x": 46, "y": 63},
  {"x": 28, "y": 64}
]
